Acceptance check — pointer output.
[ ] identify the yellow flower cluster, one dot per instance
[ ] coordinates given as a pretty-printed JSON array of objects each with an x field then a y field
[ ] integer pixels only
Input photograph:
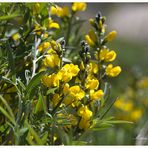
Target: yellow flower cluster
[
  {"x": 110, "y": 36},
  {"x": 65, "y": 74},
  {"x": 130, "y": 112},
  {"x": 53, "y": 24},
  {"x": 78, "y": 88},
  {"x": 51, "y": 80},
  {"x": 52, "y": 60},
  {"x": 85, "y": 115},
  {"x": 65, "y": 12},
  {"x": 59, "y": 11},
  {"x": 91, "y": 38},
  {"x": 68, "y": 71},
  {"x": 112, "y": 71},
  {"x": 107, "y": 55},
  {"x": 73, "y": 94},
  {"x": 79, "y": 6}
]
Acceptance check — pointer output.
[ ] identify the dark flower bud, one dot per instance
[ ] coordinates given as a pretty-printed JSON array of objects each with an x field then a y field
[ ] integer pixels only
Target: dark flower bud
[
  {"x": 83, "y": 43},
  {"x": 98, "y": 16},
  {"x": 86, "y": 49},
  {"x": 63, "y": 43}
]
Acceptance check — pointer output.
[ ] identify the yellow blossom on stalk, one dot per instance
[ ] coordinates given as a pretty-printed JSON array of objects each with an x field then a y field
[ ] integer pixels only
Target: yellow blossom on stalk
[
  {"x": 96, "y": 95},
  {"x": 92, "y": 22},
  {"x": 89, "y": 40},
  {"x": 59, "y": 11},
  {"x": 91, "y": 83},
  {"x": 52, "y": 24},
  {"x": 107, "y": 55},
  {"x": 44, "y": 46},
  {"x": 77, "y": 6},
  {"x": 110, "y": 36},
  {"x": 75, "y": 94},
  {"x": 85, "y": 113},
  {"x": 37, "y": 29},
  {"x": 84, "y": 124},
  {"x": 92, "y": 35},
  {"x": 112, "y": 71},
  {"x": 68, "y": 71},
  {"x": 16, "y": 36},
  {"x": 55, "y": 99},
  {"x": 93, "y": 67},
  {"x": 65, "y": 11},
  {"x": 52, "y": 60},
  {"x": 66, "y": 89},
  {"x": 51, "y": 80},
  {"x": 45, "y": 35}
]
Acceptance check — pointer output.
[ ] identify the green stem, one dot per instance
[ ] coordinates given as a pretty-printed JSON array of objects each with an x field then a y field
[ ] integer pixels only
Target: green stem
[{"x": 69, "y": 29}]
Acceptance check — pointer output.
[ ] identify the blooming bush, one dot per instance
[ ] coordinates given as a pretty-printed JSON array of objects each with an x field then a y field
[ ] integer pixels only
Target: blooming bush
[{"x": 54, "y": 84}]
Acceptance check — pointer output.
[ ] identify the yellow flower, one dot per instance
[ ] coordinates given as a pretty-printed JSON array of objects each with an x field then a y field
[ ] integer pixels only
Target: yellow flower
[
  {"x": 85, "y": 113},
  {"x": 16, "y": 36},
  {"x": 111, "y": 36},
  {"x": 38, "y": 29},
  {"x": 65, "y": 11},
  {"x": 125, "y": 105},
  {"x": 74, "y": 93},
  {"x": 112, "y": 71},
  {"x": 52, "y": 24},
  {"x": 136, "y": 114},
  {"x": 77, "y": 92},
  {"x": 84, "y": 124},
  {"x": 91, "y": 83},
  {"x": 89, "y": 40},
  {"x": 44, "y": 46},
  {"x": 77, "y": 6},
  {"x": 107, "y": 55},
  {"x": 52, "y": 60},
  {"x": 92, "y": 35},
  {"x": 96, "y": 95},
  {"x": 55, "y": 99},
  {"x": 66, "y": 89},
  {"x": 93, "y": 68},
  {"x": 68, "y": 71},
  {"x": 51, "y": 80},
  {"x": 59, "y": 11},
  {"x": 92, "y": 22},
  {"x": 45, "y": 35}
]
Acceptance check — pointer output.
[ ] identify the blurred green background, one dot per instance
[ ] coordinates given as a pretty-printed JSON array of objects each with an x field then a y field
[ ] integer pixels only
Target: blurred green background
[{"x": 130, "y": 20}]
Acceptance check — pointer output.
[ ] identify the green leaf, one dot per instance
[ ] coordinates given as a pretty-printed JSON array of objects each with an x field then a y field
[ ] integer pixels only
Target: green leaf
[
  {"x": 7, "y": 115},
  {"x": 79, "y": 143},
  {"x": 33, "y": 84},
  {"x": 118, "y": 122},
  {"x": 34, "y": 134},
  {"x": 22, "y": 131},
  {"x": 44, "y": 138},
  {"x": 51, "y": 90},
  {"x": 40, "y": 106},
  {"x": 8, "y": 107},
  {"x": 8, "y": 17}
]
